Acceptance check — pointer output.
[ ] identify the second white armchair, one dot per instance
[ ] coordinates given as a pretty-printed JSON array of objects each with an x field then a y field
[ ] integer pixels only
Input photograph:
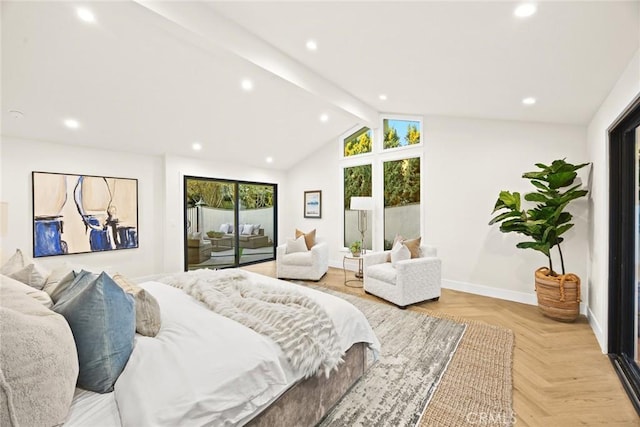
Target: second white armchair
[{"x": 408, "y": 281}]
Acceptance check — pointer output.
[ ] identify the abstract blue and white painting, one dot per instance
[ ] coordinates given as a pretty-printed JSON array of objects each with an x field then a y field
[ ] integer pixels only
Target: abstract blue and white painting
[{"x": 83, "y": 213}]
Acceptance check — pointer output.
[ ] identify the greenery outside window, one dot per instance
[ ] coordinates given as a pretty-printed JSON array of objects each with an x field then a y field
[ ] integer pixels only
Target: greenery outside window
[
  {"x": 228, "y": 223},
  {"x": 401, "y": 133},
  {"x": 357, "y": 182},
  {"x": 401, "y": 199},
  {"x": 359, "y": 142}
]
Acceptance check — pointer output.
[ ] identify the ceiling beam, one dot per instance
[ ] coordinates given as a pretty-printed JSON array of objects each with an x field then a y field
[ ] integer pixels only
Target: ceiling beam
[{"x": 215, "y": 29}]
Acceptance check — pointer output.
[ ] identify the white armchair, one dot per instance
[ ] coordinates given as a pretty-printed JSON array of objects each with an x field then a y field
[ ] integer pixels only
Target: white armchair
[
  {"x": 410, "y": 281},
  {"x": 310, "y": 265}
]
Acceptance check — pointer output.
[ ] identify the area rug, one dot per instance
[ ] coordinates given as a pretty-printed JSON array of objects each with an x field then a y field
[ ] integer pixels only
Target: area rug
[{"x": 459, "y": 370}]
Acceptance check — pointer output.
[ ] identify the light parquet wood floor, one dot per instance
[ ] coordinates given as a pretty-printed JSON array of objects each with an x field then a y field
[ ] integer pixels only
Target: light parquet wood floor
[{"x": 560, "y": 376}]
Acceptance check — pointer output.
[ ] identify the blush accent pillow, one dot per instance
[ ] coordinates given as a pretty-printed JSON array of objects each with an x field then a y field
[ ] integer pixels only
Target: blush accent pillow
[
  {"x": 102, "y": 318},
  {"x": 399, "y": 253},
  {"x": 148, "y": 319},
  {"x": 309, "y": 238},
  {"x": 39, "y": 365},
  {"x": 296, "y": 245},
  {"x": 414, "y": 246}
]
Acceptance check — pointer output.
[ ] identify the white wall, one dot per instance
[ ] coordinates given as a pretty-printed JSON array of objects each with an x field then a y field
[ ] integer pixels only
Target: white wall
[
  {"x": 621, "y": 95},
  {"x": 20, "y": 157},
  {"x": 176, "y": 168},
  {"x": 466, "y": 162}
]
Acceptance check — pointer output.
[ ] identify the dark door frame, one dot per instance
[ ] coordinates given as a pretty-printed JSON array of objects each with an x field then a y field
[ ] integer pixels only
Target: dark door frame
[
  {"x": 622, "y": 250},
  {"x": 236, "y": 217}
]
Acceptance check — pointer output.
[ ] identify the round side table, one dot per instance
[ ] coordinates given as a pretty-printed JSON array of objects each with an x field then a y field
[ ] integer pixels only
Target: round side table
[{"x": 358, "y": 274}]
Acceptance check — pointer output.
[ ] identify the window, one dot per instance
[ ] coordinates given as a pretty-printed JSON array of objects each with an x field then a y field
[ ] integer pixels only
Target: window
[
  {"x": 358, "y": 142},
  {"x": 400, "y": 133},
  {"x": 357, "y": 182},
  {"x": 386, "y": 166},
  {"x": 401, "y": 199}
]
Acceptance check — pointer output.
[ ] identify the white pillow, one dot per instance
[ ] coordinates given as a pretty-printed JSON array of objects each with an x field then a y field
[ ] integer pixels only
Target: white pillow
[
  {"x": 224, "y": 228},
  {"x": 17, "y": 262},
  {"x": 40, "y": 296},
  {"x": 256, "y": 229},
  {"x": 296, "y": 245},
  {"x": 32, "y": 274},
  {"x": 247, "y": 229},
  {"x": 399, "y": 253}
]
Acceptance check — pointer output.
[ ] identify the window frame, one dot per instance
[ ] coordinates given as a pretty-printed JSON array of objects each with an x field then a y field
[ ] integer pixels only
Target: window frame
[
  {"x": 376, "y": 158},
  {"x": 349, "y": 133},
  {"x": 402, "y": 118}
]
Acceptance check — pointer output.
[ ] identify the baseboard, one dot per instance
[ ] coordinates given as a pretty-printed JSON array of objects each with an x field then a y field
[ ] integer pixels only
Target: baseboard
[
  {"x": 597, "y": 330},
  {"x": 488, "y": 291}
]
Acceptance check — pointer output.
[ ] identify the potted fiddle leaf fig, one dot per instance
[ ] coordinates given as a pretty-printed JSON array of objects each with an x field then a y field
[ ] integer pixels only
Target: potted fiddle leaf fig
[{"x": 544, "y": 224}]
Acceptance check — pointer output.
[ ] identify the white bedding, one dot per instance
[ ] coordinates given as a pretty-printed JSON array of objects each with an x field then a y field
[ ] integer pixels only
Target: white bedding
[{"x": 205, "y": 369}]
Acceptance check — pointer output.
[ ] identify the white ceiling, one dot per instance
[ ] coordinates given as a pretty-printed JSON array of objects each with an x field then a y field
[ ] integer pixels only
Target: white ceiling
[{"x": 155, "y": 77}]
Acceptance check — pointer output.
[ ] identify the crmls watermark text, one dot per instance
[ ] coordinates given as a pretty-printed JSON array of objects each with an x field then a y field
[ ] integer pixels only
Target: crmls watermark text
[{"x": 491, "y": 418}]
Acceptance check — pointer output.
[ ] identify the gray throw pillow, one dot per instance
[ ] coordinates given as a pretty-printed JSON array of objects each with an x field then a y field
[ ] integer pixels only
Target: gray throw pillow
[
  {"x": 148, "y": 319},
  {"x": 102, "y": 318}
]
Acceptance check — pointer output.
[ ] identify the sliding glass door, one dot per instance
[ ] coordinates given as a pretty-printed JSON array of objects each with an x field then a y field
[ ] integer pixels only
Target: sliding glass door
[
  {"x": 228, "y": 223},
  {"x": 624, "y": 247}
]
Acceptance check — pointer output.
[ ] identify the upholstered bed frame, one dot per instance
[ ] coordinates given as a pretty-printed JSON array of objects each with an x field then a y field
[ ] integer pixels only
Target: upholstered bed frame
[{"x": 308, "y": 401}]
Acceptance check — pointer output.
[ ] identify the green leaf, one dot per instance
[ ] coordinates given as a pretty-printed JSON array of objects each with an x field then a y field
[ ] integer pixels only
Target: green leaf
[
  {"x": 539, "y": 185},
  {"x": 542, "y": 176},
  {"x": 535, "y": 197},
  {"x": 542, "y": 166},
  {"x": 563, "y": 228},
  {"x": 544, "y": 248},
  {"x": 563, "y": 218},
  {"x": 561, "y": 179},
  {"x": 504, "y": 216}
]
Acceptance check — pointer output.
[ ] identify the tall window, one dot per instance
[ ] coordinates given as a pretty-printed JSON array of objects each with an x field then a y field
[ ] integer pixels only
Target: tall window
[
  {"x": 401, "y": 199},
  {"x": 391, "y": 176},
  {"x": 357, "y": 182}
]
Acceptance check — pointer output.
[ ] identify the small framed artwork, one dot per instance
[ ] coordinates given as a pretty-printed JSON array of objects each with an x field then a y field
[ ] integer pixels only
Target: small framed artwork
[{"x": 313, "y": 204}]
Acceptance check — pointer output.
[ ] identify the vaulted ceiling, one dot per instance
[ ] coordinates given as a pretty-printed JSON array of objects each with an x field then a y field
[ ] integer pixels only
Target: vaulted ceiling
[{"x": 155, "y": 77}]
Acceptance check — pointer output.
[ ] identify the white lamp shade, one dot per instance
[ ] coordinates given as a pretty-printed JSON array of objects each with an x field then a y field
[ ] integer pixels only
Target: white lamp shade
[{"x": 361, "y": 203}]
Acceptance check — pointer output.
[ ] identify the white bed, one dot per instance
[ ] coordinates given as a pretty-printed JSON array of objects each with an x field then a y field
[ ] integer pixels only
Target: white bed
[{"x": 205, "y": 369}]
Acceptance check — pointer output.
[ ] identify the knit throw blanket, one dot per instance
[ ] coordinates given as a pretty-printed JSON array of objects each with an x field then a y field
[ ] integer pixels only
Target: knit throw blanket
[{"x": 300, "y": 326}]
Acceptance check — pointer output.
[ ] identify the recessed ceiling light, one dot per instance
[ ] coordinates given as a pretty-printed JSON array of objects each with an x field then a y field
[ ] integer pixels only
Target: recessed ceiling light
[
  {"x": 382, "y": 97},
  {"x": 312, "y": 45},
  {"x": 324, "y": 118},
  {"x": 247, "y": 85},
  {"x": 269, "y": 159},
  {"x": 85, "y": 14},
  {"x": 529, "y": 101},
  {"x": 72, "y": 123},
  {"x": 196, "y": 146},
  {"x": 15, "y": 114},
  {"x": 524, "y": 10}
]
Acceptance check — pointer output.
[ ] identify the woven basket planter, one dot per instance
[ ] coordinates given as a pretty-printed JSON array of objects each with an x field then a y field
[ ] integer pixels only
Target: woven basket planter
[{"x": 558, "y": 296}]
